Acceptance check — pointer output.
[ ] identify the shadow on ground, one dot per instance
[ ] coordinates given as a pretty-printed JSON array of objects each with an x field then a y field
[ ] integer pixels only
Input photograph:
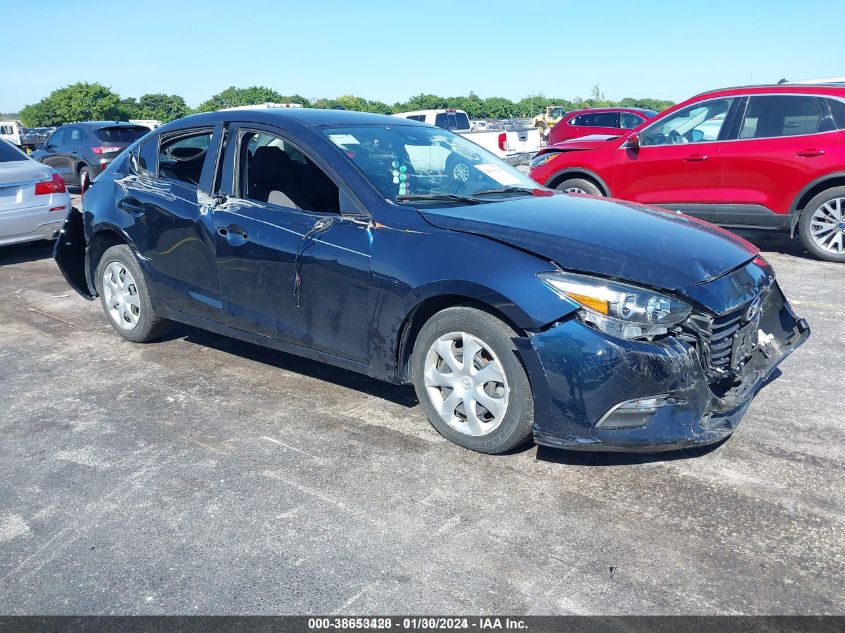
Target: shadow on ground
[{"x": 29, "y": 252}]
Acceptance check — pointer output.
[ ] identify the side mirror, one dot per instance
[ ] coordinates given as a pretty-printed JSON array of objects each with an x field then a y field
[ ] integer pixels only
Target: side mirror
[{"x": 633, "y": 142}]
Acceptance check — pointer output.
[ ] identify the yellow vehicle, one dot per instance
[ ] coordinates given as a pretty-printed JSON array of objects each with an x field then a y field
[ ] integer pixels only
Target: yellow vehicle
[{"x": 547, "y": 119}]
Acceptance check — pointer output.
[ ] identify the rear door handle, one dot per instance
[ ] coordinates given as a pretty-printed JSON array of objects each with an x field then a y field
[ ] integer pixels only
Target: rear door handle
[
  {"x": 810, "y": 153},
  {"x": 695, "y": 158},
  {"x": 131, "y": 206}
]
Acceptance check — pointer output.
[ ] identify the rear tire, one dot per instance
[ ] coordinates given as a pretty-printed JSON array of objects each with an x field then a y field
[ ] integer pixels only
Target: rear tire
[
  {"x": 579, "y": 185},
  {"x": 85, "y": 178},
  {"x": 125, "y": 296},
  {"x": 456, "y": 396},
  {"x": 820, "y": 213}
]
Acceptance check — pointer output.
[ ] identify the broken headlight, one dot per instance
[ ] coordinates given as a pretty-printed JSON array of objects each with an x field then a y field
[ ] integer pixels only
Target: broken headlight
[{"x": 617, "y": 308}]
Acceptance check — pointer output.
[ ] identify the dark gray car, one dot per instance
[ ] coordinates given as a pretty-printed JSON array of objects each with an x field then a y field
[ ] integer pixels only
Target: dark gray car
[{"x": 79, "y": 152}]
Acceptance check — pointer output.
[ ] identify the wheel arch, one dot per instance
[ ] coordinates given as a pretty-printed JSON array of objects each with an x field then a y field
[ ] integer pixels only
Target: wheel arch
[
  {"x": 103, "y": 239},
  {"x": 578, "y": 172},
  {"x": 814, "y": 188},
  {"x": 427, "y": 308}
]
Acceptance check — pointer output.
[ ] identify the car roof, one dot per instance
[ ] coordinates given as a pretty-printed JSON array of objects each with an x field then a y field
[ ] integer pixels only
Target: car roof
[
  {"x": 832, "y": 88},
  {"x": 311, "y": 117},
  {"x": 610, "y": 109},
  {"x": 99, "y": 124}
]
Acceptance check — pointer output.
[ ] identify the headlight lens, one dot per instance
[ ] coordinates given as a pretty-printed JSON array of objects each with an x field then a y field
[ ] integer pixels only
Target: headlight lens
[
  {"x": 542, "y": 159},
  {"x": 617, "y": 308}
]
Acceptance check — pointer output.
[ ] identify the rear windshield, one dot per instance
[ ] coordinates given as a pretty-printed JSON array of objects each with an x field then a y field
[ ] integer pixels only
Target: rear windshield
[
  {"x": 122, "y": 134},
  {"x": 9, "y": 153}
]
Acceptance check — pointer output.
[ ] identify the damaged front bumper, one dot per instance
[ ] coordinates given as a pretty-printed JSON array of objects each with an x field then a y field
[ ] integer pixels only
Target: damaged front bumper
[{"x": 588, "y": 386}]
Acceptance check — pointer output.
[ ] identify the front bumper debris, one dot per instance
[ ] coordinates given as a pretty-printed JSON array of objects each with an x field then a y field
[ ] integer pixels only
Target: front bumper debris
[{"x": 580, "y": 374}]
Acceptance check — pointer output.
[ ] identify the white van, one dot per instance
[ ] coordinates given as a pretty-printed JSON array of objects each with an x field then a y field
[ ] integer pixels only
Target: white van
[{"x": 12, "y": 132}]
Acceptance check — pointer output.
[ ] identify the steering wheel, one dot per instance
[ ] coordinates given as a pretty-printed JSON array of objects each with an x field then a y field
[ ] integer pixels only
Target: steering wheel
[{"x": 675, "y": 138}]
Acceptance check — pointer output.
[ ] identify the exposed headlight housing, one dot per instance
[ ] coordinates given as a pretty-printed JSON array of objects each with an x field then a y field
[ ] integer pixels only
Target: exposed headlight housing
[
  {"x": 542, "y": 159},
  {"x": 616, "y": 308}
]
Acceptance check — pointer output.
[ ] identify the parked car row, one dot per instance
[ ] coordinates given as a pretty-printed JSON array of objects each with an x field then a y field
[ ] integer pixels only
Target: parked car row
[{"x": 763, "y": 157}]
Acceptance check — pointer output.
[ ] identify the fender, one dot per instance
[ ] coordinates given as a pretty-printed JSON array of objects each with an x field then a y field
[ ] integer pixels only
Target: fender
[
  {"x": 581, "y": 170},
  {"x": 796, "y": 207}
]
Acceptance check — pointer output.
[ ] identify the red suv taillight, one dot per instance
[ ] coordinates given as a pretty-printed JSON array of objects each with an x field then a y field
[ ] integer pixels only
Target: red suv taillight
[
  {"x": 503, "y": 141},
  {"x": 105, "y": 149},
  {"x": 55, "y": 185}
]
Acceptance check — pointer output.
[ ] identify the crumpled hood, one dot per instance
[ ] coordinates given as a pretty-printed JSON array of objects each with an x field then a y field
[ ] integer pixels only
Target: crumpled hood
[{"x": 612, "y": 238}]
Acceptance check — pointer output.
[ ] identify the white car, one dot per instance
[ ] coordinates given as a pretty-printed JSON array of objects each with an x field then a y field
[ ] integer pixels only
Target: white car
[{"x": 33, "y": 198}]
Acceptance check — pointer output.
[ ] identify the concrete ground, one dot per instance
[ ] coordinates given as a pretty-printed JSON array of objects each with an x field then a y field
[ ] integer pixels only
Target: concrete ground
[{"x": 204, "y": 475}]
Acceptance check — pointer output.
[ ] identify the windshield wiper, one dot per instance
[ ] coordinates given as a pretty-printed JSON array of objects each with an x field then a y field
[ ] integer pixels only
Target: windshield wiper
[
  {"x": 450, "y": 197},
  {"x": 523, "y": 190}
]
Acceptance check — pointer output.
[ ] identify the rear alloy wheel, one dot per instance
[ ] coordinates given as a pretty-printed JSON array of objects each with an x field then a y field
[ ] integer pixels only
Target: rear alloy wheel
[
  {"x": 822, "y": 225},
  {"x": 578, "y": 185},
  {"x": 125, "y": 296},
  {"x": 85, "y": 178},
  {"x": 470, "y": 382}
]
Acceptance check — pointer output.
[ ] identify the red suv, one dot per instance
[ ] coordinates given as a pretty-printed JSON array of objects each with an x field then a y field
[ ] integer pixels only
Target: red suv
[
  {"x": 760, "y": 157},
  {"x": 598, "y": 121}
]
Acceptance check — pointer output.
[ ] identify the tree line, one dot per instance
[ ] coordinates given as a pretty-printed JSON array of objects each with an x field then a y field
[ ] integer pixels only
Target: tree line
[{"x": 93, "y": 101}]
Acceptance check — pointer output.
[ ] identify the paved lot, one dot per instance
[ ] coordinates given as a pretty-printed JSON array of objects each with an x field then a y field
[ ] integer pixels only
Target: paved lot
[{"x": 201, "y": 474}]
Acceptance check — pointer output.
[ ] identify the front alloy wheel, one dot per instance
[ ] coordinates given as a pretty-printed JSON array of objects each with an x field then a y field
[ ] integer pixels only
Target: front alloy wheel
[
  {"x": 470, "y": 381},
  {"x": 466, "y": 383}
]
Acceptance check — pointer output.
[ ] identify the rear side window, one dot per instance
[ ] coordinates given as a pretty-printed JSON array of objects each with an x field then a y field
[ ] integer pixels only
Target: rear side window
[
  {"x": 837, "y": 109},
  {"x": 9, "y": 153},
  {"x": 121, "y": 134},
  {"x": 144, "y": 160},
  {"x": 181, "y": 157},
  {"x": 597, "y": 119},
  {"x": 771, "y": 116}
]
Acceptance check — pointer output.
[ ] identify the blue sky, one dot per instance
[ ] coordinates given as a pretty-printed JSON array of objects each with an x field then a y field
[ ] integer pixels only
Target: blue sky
[{"x": 393, "y": 50}]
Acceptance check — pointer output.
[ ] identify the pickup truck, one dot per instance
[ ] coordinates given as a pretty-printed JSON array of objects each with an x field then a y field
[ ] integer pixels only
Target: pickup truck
[{"x": 514, "y": 146}]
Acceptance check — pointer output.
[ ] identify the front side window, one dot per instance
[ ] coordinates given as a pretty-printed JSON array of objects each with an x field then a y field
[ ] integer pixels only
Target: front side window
[
  {"x": 182, "y": 156},
  {"x": 57, "y": 138},
  {"x": 408, "y": 160},
  {"x": 274, "y": 171},
  {"x": 771, "y": 116},
  {"x": 629, "y": 120},
  {"x": 697, "y": 123}
]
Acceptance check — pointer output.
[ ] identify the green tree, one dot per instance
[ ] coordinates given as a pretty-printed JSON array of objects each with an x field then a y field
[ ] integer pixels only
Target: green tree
[
  {"x": 77, "y": 102},
  {"x": 422, "y": 102},
  {"x": 161, "y": 107},
  {"x": 499, "y": 108},
  {"x": 232, "y": 97}
]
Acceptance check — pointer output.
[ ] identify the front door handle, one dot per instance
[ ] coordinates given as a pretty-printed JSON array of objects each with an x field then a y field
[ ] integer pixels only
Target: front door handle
[
  {"x": 695, "y": 158},
  {"x": 131, "y": 206},
  {"x": 810, "y": 152}
]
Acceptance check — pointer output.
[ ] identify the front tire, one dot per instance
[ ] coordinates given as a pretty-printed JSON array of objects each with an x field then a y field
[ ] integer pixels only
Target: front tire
[
  {"x": 578, "y": 185},
  {"x": 125, "y": 296},
  {"x": 822, "y": 225},
  {"x": 470, "y": 382}
]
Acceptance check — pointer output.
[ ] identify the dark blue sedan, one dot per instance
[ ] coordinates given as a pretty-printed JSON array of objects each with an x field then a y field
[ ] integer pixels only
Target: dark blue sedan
[{"x": 409, "y": 254}]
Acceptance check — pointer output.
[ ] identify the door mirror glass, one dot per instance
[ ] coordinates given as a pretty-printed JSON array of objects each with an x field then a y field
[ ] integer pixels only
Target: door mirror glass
[{"x": 696, "y": 135}]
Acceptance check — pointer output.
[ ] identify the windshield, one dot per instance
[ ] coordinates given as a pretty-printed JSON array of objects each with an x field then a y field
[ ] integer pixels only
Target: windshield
[
  {"x": 10, "y": 153},
  {"x": 411, "y": 160}
]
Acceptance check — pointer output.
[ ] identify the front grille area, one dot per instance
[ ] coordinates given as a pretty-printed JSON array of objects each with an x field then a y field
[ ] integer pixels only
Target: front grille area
[
  {"x": 716, "y": 336},
  {"x": 722, "y": 330}
]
